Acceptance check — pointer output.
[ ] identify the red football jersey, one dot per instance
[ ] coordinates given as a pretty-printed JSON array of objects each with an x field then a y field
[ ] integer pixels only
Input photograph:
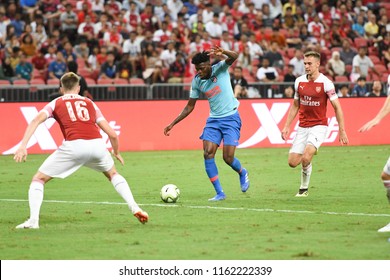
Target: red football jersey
[
  {"x": 313, "y": 97},
  {"x": 76, "y": 115}
]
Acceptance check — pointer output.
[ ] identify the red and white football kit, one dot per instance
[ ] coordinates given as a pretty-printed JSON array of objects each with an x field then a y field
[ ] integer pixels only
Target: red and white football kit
[
  {"x": 313, "y": 123},
  {"x": 83, "y": 143}
]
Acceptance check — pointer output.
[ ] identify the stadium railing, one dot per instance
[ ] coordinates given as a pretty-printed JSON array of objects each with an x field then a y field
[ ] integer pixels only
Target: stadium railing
[{"x": 44, "y": 93}]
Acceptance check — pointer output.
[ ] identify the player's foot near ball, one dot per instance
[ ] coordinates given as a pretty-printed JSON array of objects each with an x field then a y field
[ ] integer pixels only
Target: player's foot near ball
[
  {"x": 142, "y": 216},
  {"x": 218, "y": 197}
]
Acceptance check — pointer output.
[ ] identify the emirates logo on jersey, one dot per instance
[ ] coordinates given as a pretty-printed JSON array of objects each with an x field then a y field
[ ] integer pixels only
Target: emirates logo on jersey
[
  {"x": 214, "y": 79},
  {"x": 318, "y": 89}
]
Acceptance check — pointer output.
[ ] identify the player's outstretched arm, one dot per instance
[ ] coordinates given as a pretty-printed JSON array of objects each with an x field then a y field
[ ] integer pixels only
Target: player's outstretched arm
[
  {"x": 231, "y": 55},
  {"x": 343, "y": 138},
  {"x": 186, "y": 111},
  {"x": 105, "y": 126},
  {"x": 382, "y": 113},
  {"x": 291, "y": 116},
  {"x": 21, "y": 152}
]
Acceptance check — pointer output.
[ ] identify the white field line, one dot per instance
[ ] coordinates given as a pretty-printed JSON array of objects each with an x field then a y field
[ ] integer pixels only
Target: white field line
[{"x": 209, "y": 207}]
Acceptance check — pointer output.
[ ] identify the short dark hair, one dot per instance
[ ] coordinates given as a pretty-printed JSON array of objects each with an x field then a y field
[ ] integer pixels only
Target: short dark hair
[
  {"x": 72, "y": 66},
  {"x": 200, "y": 57}
]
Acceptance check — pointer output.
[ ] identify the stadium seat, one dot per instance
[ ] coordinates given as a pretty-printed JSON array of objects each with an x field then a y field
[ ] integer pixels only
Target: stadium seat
[
  {"x": 90, "y": 81},
  {"x": 37, "y": 81},
  {"x": 20, "y": 82},
  {"x": 103, "y": 81},
  {"x": 4, "y": 82},
  {"x": 341, "y": 79},
  {"x": 137, "y": 81},
  {"x": 187, "y": 83},
  {"x": 84, "y": 72},
  {"x": 348, "y": 68},
  {"x": 375, "y": 59},
  {"x": 119, "y": 81},
  {"x": 360, "y": 42},
  {"x": 53, "y": 82},
  {"x": 36, "y": 74}
]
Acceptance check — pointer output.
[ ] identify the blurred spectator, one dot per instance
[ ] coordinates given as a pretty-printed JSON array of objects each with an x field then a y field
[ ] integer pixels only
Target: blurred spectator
[
  {"x": 316, "y": 28},
  {"x": 69, "y": 22},
  {"x": 51, "y": 54},
  {"x": 57, "y": 67},
  {"x": 28, "y": 46},
  {"x": 81, "y": 51},
  {"x": 376, "y": 90},
  {"x": 361, "y": 64},
  {"x": 39, "y": 35},
  {"x": 358, "y": 27},
  {"x": 109, "y": 68},
  {"x": 343, "y": 91},
  {"x": 360, "y": 89},
  {"x": 68, "y": 52},
  {"x": 289, "y": 76},
  {"x": 153, "y": 66},
  {"x": 161, "y": 36},
  {"x": 288, "y": 20},
  {"x": 347, "y": 53},
  {"x": 125, "y": 69},
  {"x": 276, "y": 9},
  {"x": 297, "y": 63},
  {"x": 278, "y": 37},
  {"x": 214, "y": 28},
  {"x": 15, "y": 57},
  {"x": 288, "y": 92},
  {"x": 86, "y": 27},
  {"x": 177, "y": 69},
  {"x": 174, "y": 6},
  {"x": 168, "y": 55},
  {"x": 335, "y": 66},
  {"x": 40, "y": 63},
  {"x": 245, "y": 59},
  {"x": 24, "y": 68},
  {"x": 132, "y": 46},
  {"x": 8, "y": 71},
  {"x": 267, "y": 73},
  {"x": 274, "y": 56},
  {"x": 113, "y": 39},
  {"x": 371, "y": 28},
  {"x": 239, "y": 83}
]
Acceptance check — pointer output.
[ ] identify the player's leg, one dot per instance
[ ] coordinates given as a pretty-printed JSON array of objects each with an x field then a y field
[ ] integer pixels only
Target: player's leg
[
  {"x": 101, "y": 161},
  {"x": 209, "y": 150},
  {"x": 385, "y": 176},
  {"x": 123, "y": 189},
  {"x": 316, "y": 135},
  {"x": 212, "y": 137},
  {"x": 35, "y": 199},
  {"x": 230, "y": 128}
]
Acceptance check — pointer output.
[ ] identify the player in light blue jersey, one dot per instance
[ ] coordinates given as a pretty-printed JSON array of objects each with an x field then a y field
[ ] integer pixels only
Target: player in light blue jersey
[{"x": 224, "y": 122}]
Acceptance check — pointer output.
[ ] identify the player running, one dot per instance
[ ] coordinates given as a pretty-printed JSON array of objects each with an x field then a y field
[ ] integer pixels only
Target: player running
[
  {"x": 385, "y": 176},
  {"x": 79, "y": 119},
  {"x": 312, "y": 92},
  {"x": 224, "y": 122}
]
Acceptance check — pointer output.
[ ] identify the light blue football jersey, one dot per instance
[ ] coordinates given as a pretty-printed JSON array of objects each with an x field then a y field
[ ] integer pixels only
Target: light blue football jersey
[{"x": 218, "y": 90}]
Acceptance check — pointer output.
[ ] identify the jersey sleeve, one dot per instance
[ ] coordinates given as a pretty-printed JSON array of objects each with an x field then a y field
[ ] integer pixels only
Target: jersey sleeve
[
  {"x": 330, "y": 89},
  {"x": 296, "y": 84},
  {"x": 49, "y": 108},
  {"x": 194, "y": 91},
  {"x": 99, "y": 114}
]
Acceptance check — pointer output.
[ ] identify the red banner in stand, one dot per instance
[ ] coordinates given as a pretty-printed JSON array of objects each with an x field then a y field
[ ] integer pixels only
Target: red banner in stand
[{"x": 140, "y": 124}]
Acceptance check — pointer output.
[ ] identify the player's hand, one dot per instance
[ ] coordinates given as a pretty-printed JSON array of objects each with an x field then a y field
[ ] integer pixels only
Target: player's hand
[
  {"x": 343, "y": 138},
  {"x": 369, "y": 125},
  {"x": 20, "y": 155},
  {"x": 217, "y": 50},
  {"x": 167, "y": 130},
  {"x": 285, "y": 133},
  {"x": 118, "y": 157}
]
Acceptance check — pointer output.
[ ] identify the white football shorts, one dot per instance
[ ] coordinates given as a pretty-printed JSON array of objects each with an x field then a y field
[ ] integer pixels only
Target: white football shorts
[
  {"x": 308, "y": 135},
  {"x": 386, "y": 169},
  {"x": 71, "y": 155}
]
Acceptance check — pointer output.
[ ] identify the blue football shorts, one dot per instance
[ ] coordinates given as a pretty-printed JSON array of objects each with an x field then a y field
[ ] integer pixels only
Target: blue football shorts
[{"x": 226, "y": 128}]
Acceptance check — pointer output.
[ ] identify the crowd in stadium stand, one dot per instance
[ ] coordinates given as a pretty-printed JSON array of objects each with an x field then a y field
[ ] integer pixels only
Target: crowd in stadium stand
[{"x": 152, "y": 41}]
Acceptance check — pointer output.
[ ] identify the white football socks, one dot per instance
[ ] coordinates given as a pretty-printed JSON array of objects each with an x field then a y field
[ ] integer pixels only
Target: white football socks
[
  {"x": 121, "y": 186},
  {"x": 35, "y": 199},
  {"x": 305, "y": 176}
]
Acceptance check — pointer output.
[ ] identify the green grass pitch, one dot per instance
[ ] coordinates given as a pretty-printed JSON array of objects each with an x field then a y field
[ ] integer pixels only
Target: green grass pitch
[{"x": 82, "y": 216}]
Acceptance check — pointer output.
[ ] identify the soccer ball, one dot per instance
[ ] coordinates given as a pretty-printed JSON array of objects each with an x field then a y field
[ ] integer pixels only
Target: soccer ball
[{"x": 170, "y": 193}]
